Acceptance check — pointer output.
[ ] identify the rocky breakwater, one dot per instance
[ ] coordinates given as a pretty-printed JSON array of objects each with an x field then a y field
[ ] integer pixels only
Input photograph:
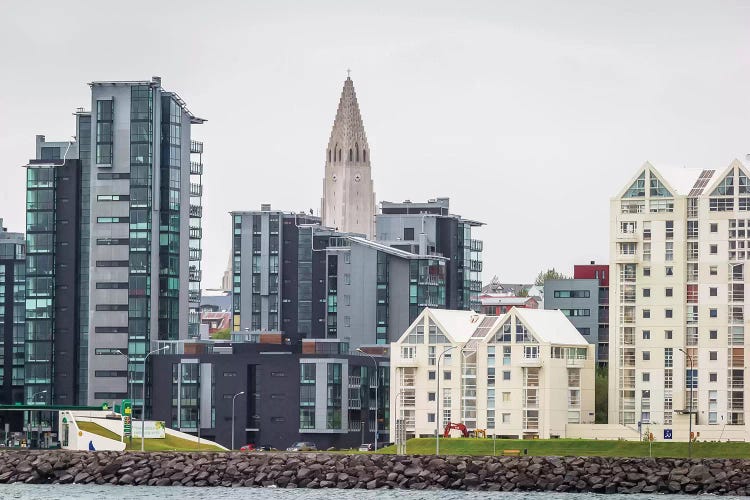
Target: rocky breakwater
[{"x": 322, "y": 470}]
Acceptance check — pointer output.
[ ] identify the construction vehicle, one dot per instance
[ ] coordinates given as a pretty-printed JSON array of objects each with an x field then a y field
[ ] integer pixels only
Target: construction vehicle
[{"x": 459, "y": 426}]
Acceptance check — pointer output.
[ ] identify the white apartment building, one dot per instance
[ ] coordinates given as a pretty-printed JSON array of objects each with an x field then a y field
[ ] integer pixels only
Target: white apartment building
[
  {"x": 679, "y": 246},
  {"x": 526, "y": 373}
]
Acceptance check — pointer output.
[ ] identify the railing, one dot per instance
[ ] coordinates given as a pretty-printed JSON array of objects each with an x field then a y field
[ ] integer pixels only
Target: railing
[
  {"x": 196, "y": 168},
  {"x": 477, "y": 245},
  {"x": 195, "y": 254},
  {"x": 194, "y": 296},
  {"x": 196, "y": 189},
  {"x": 196, "y": 233},
  {"x": 196, "y": 147},
  {"x": 196, "y": 211},
  {"x": 195, "y": 274}
]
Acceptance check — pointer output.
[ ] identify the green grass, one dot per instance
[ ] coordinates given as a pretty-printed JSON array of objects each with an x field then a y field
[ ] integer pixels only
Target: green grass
[
  {"x": 573, "y": 447},
  {"x": 169, "y": 443}
]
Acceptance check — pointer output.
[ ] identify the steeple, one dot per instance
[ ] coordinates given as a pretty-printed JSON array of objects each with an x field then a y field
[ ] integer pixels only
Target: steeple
[
  {"x": 348, "y": 142},
  {"x": 348, "y": 202}
]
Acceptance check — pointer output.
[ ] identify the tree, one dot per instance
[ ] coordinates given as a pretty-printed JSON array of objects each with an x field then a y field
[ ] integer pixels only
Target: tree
[
  {"x": 523, "y": 292},
  {"x": 549, "y": 274},
  {"x": 601, "y": 389},
  {"x": 224, "y": 334}
]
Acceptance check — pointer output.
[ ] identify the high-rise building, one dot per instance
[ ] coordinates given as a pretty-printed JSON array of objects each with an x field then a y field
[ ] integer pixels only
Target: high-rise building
[
  {"x": 113, "y": 244},
  {"x": 679, "y": 245},
  {"x": 430, "y": 229},
  {"x": 348, "y": 203},
  {"x": 12, "y": 312}
]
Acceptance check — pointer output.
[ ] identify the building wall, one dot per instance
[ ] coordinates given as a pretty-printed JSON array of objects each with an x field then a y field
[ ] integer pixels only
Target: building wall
[
  {"x": 12, "y": 311},
  {"x": 556, "y": 296}
]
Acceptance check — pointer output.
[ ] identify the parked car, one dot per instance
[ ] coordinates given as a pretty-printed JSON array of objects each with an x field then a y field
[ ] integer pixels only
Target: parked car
[
  {"x": 366, "y": 447},
  {"x": 248, "y": 447},
  {"x": 302, "y": 446},
  {"x": 265, "y": 447}
]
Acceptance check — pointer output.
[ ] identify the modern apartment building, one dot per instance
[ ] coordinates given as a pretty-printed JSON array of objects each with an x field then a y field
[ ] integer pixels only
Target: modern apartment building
[
  {"x": 12, "y": 315},
  {"x": 679, "y": 248},
  {"x": 601, "y": 273},
  {"x": 113, "y": 244},
  {"x": 524, "y": 374},
  {"x": 430, "y": 229},
  {"x": 291, "y": 275},
  {"x": 276, "y": 393}
]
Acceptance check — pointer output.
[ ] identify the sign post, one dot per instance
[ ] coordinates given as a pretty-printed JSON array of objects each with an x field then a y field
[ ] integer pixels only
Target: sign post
[{"x": 127, "y": 415}]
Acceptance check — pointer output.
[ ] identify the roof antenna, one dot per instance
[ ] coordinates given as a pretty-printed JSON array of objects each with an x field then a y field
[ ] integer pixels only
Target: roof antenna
[{"x": 348, "y": 73}]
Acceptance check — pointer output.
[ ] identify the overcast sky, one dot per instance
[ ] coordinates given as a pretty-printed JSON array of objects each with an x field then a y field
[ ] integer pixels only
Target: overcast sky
[{"x": 528, "y": 115}]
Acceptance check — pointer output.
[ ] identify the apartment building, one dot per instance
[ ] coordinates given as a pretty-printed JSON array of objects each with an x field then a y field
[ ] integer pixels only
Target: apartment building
[
  {"x": 523, "y": 374},
  {"x": 275, "y": 393},
  {"x": 12, "y": 315},
  {"x": 293, "y": 276},
  {"x": 113, "y": 244},
  {"x": 679, "y": 244},
  {"x": 430, "y": 229}
]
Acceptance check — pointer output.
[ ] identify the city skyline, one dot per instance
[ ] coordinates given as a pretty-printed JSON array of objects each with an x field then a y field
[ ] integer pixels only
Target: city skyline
[{"x": 577, "y": 98}]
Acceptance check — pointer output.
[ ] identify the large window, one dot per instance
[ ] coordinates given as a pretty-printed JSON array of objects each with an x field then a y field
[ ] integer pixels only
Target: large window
[{"x": 104, "y": 119}]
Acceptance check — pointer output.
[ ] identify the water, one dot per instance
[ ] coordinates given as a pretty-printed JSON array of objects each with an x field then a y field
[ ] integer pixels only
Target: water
[{"x": 89, "y": 492}]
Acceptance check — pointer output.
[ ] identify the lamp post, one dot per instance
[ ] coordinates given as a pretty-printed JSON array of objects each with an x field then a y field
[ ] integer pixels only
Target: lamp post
[
  {"x": 130, "y": 379},
  {"x": 38, "y": 425},
  {"x": 377, "y": 383},
  {"x": 143, "y": 401},
  {"x": 437, "y": 401},
  {"x": 690, "y": 407},
  {"x": 233, "y": 397}
]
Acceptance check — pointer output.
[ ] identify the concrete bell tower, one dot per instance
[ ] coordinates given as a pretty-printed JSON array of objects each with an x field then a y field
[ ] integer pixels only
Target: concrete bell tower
[{"x": 348, "y": 202}]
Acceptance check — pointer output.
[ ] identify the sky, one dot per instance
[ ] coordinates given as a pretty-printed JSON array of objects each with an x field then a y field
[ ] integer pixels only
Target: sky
[{"x": 529, "y": 115}]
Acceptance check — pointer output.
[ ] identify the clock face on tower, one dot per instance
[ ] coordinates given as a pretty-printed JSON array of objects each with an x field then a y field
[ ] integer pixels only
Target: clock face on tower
[{"x": 357, "y": 178}]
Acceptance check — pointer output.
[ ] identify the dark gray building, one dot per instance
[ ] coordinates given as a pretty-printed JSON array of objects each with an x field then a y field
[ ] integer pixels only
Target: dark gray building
[
  {"x": 12, "y": 315},
  {"x": 578, "y": 299},
  {"x": 113, "y": 244},
  {"x": 293, "y": 276},
  {"x": 311, "y": 391},
  {"x": 430, "y": 229}
]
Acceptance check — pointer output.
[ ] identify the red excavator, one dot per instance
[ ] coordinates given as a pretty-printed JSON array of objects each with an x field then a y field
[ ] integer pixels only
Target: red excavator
[{"x": 451, "y": 425}]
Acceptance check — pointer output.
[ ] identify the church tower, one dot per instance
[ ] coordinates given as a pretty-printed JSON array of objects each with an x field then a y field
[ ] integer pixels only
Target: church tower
[{"x": 348, "y": 202}]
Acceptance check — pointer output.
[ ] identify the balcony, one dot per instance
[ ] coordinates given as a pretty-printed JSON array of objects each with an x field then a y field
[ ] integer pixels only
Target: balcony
[
  {"x": 531, "y": 361},
  {"x": 196, "y": 211},
  {"x": 477, "y": 245},
  {"x": 196, "y": 189},
  {"x": 196, "y": 147},
  {"x": 196, "y": 168},
  {"x": 475, "y": 265},
  {"x": 194, "y": 296},
  {"x": 194, "y": 275},
  {"x": 196, "y": 233},
  {"x": 575, "y": 362},
  {"x": 627, "y": 258},
  {"x": 195, "y": 254},
  {"x": 627, "y": 236}
]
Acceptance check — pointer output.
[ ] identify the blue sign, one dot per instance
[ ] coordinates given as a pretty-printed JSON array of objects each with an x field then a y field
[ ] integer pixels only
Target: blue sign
[{"x": 667, "y": 433}]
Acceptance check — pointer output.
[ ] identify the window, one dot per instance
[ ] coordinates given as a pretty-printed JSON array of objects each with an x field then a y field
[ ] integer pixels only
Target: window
[
  {"x": 646, "y": 356},
  {"x": 646, "y": 334},
  {"x": 712, "y": 377},
  {"x": 647, "y": 271},
  {"x": 105, "y": 176},
  {"x": 506, "y": 375},
  {"x": 713, "y": 313},
  {"x": 408, "y": 234},
  {"x": 647, "y": 313},
  {"x": 691, "y": 378},
  {"x": 668, "y": 357},
  {"x": 506, "y": 397},
  {"x": 490, "y": 376},
  {"x": 713, "y": 270},
  {"x": 110, "y": 351},
  {"x": 446, "y": 375},
  {"x": 668, "y": 292},
  {"x": 112, "y": 220},
  {"x": 667, "y": 313},
  {"x": 112, "y": 285},
  {"x": 647, "y": 292},
  {"x": 669, "y": 229},
  {"x": 669, "y": 251},
  {"x": 104, "y": 119},
  {"x": 713, "y": 334},
  {"x": 230, "y": 374},
  {"x": 111, "y": 307},
  {"x": 646, "y": 377},
  {"x": 668, "y": 271},
  {"x": 713, "y": 249},
  {"x": 712, "y": 355},
  {"x": 430, "y": 396},
  {"x": 668, "y": 334},
  {"x": 714, "y": 227},
  {"x": 113, "y": 197},
  {"x": 431, "y": 417},
  {"x": 431, "y": 375},
  {"x": 112, "y": 263}
]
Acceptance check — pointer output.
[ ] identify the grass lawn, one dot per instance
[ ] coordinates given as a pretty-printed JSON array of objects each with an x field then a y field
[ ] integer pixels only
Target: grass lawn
[
  {"x": 169, "y": 443},
  {"x": 573, "y": 447}
]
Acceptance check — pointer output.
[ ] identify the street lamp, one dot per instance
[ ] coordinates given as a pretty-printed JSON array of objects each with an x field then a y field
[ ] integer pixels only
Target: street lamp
[
  {"x": 143, "y": 401},
  {"x": 130, "y": 379},
  {"x": 437, "y": 401},
  {"x": 690, "y": 407},
  {"x": 238, "y": 394},
  {"x": 39, "y": 423},
  {"x": 377, "y": 383}
]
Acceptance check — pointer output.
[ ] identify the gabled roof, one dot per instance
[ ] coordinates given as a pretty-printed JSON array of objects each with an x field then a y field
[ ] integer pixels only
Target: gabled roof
[
  {"x": 509, "y": 300},
  {"x": 550, "y": 326},
  {"x": 458, "y": 326}
]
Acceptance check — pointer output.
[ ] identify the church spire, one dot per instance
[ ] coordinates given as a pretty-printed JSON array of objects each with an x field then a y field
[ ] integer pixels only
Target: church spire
[
  {"x": 348, "y": 141},
  {"x": 348, "y": 202}
]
